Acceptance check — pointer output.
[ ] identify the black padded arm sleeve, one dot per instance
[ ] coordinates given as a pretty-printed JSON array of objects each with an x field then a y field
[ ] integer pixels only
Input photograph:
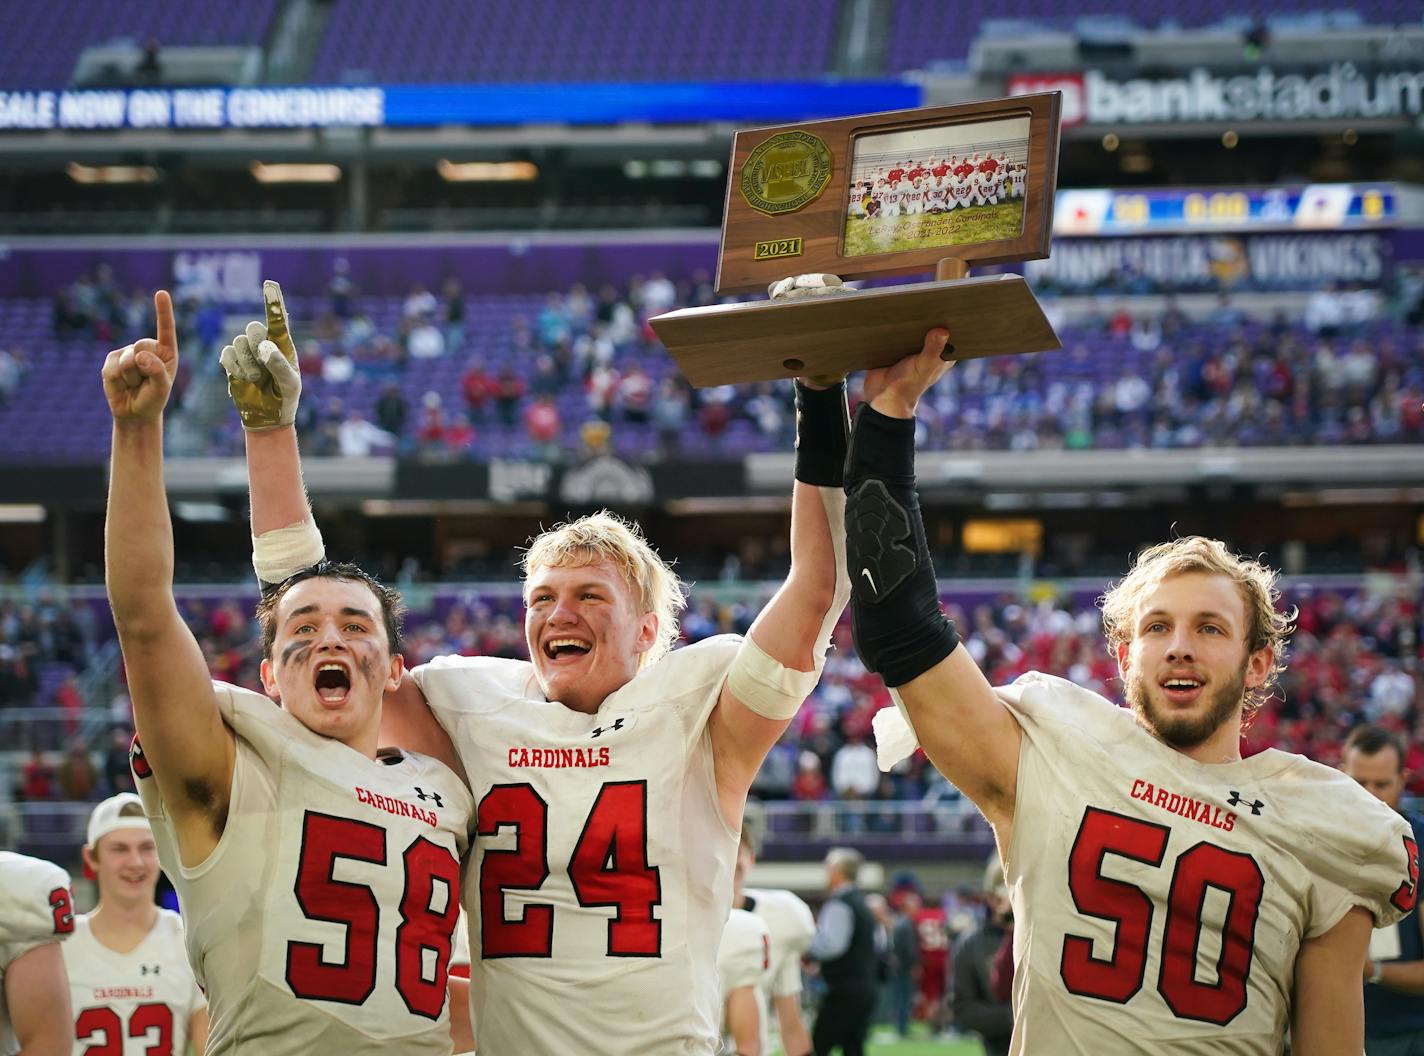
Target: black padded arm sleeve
[{"x": 900, "y": 631}]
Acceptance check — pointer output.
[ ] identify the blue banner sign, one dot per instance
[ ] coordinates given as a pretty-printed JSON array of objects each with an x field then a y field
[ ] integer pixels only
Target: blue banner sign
[{"x": 432, "y": 105}]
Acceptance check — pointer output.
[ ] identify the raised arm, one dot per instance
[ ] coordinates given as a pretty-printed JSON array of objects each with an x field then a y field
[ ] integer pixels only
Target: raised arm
[
  {"x": 781, "y": 660},
  {"x": 265, "y": 384},
  {"x": 900, "y": 631},
  {"x": 266, "y": 387},
  {"x": 185, "y": 741}
]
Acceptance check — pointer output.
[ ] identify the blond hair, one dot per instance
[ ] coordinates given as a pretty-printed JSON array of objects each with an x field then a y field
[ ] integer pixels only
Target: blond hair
[
  {"x": 604, "y": 536},
  {"x": 1266, "y": 625}
]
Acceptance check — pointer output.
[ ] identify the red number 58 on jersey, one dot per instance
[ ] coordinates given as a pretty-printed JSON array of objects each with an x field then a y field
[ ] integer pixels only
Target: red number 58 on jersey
[{"x": 428, "y": 907}]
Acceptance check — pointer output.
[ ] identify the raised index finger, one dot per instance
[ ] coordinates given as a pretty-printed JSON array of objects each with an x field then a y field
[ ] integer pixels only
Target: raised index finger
[
  {"x": 277, "y": 330},
  {"x": 163, "y": 315}
]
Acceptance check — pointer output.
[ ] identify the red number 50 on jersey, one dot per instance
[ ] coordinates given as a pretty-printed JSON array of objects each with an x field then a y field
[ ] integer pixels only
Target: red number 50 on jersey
[{"x": 1119, "y": 976}]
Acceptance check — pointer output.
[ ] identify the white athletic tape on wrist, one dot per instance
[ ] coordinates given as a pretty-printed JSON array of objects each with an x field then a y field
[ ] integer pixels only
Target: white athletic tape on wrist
[
  {"x": 895, "y": 737},
  {"x": 767, "y": 687},
  {"x": 285, "y": 551},
  {"x": 763, "y": 684}
]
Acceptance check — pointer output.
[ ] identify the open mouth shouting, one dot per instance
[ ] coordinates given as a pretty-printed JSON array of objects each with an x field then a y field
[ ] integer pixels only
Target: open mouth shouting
[
  {"x": 1182, "y": 689},
  {"x": 567, "y": 650},
  {"x": 333, "y": 683}
]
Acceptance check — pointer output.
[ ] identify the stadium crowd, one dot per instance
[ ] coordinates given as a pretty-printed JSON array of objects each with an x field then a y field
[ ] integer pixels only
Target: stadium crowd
[
  {"x": 581, "y": 371},
  {"x": 1356, "y": 657}
]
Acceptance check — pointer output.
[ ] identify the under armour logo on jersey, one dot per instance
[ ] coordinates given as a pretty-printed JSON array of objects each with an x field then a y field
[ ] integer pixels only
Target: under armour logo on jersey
[
  {"x": 150, "y": 969},
  {"x": 424, "y": 795},
  {"x": 599, "y": 731},
  {"x": 1235, "y": 800}
]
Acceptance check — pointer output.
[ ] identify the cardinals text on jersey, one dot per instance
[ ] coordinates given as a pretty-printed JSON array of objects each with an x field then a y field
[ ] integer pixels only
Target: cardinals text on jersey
[
  {"x": 1163, "y": 901},
  {"x": 602, "y": 863},
  {"x": 137, "y": 1003},
  {"x": 323, "y": 919}
]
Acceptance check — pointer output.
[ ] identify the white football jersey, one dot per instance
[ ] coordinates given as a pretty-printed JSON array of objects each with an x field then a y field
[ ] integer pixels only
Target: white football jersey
[
  {"x": 791, "y": 926},
  {"x": 1162, "y": 902},
  {"x": 138, "y": 1003},
  {"x": 601, "y": 872},
  {"x": 744, "y": 959},
  {"x": 36, "y": 907},
  {"x": 460, "y": 952},
  {"x": 323, "y": 919}
]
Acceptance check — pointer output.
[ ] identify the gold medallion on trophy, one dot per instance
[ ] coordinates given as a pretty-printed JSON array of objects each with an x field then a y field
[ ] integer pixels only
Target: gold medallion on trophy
[
  {"x": 936, "y": 190},
  {"x": 786, "y": 173}
]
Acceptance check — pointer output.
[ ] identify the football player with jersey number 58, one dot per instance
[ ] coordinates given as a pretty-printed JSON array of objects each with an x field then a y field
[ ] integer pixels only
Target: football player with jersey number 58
[
  {"x": 610, "y": 771},
  {"x": 1170, "y": 896},
  {"x": 318, "y": 877}
]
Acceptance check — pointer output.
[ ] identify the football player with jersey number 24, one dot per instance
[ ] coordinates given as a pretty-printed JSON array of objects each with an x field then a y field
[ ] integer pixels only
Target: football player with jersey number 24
[{"x": 609, "y": 771}]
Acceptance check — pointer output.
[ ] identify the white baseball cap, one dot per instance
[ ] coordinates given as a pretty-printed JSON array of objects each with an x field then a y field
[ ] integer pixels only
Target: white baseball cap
[{"x": 124, "y": 811}]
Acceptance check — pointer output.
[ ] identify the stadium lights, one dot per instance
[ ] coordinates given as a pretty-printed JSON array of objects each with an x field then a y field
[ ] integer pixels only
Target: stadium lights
[
  {"x": 111, "y": 173},
  {"x": 1136, "y": 161},
  {"x": 295, "y": 173},
  {"x": 21, "y": 513},
  {"x": 486, "y": 171},
  {"x": 672, "y": 168}
]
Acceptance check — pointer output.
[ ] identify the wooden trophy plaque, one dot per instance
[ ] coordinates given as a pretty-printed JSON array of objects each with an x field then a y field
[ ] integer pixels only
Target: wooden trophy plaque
[{"x": 907, "y": 192}]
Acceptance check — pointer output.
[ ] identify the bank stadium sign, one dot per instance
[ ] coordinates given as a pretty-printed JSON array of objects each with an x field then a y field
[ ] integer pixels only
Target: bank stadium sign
[{"x": 1340, "y": 92}]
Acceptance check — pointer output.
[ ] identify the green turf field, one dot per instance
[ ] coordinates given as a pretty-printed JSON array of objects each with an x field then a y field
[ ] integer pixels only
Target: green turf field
[
  {"x": 924, "y": 1046},
  {"x": 978, "y": 223},
  {"x": 919, "y": 1043}
]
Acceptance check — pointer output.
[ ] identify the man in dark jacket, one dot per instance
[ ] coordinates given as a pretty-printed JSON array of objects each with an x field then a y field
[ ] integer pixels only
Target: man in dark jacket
[
  {"x": 972, "y": 994},
  {"x": 844, "y": 945},
  {"x": 1394, "y": 968}
]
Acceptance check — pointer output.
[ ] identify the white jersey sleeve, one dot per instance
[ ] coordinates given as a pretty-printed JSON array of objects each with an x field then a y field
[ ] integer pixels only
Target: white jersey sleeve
[
  {"x": 791, "y": 925},
  {"x": 1360, "y": 852},
  {"x": 1162, "y": 898},
  {"x": 323, "y": 919},
  {"x": 36, "y": 905},
  {"x": 744, "y": 954},
  {"x": 36, "y": 908}
]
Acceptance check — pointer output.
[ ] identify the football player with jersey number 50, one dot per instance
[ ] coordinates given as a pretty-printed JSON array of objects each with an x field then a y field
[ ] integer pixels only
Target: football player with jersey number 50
[{"x": 1170, "y": 896}]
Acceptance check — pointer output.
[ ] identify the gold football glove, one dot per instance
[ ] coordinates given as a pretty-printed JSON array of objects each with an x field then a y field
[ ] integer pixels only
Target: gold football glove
[{"x": 261, "y": 366}]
